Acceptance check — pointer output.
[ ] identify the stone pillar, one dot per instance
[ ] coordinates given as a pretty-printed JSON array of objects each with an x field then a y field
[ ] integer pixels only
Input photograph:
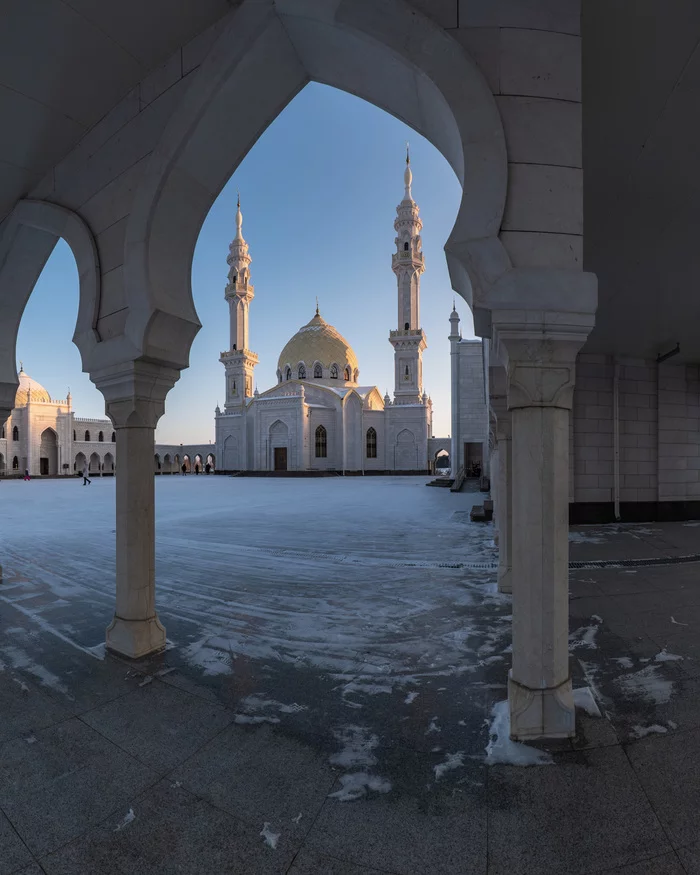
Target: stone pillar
[
  {"x": 538, "y": 349},
  {"x": 135, "y": 400}
]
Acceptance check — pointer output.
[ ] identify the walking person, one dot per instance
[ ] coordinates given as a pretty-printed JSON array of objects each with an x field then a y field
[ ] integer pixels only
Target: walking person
[
  {"x": 26, "y": 474},
  {"x": 86, "y": 479},
  {"x": 184, "y": 468}
]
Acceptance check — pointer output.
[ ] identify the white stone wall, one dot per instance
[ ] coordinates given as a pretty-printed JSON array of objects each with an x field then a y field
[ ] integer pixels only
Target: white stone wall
[
  {"x": 659, "y": 431},
  {"x": 473, "y": 410},
  {"x": 679, "y": 433}
]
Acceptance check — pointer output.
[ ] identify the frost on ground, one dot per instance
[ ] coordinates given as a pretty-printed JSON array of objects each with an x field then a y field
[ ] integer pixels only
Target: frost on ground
[
  {"x": 356, "y": 785},
  {"x": 647, "y": 683},
  {"x": 583, "y": 699},
  {"x": 270, "y": 838},
  {"x": 452, "y": 761},
  {"x": 128, "y": 818},
  {"x": 410, "y": 698},
  {"x": 584, "y": 637},
  {"x": 642, "y": 731},
  {"x": 501, "y": 749}
]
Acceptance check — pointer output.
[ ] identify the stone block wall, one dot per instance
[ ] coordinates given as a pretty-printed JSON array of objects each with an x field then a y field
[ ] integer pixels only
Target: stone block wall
[{"x": 659, "y": 424}]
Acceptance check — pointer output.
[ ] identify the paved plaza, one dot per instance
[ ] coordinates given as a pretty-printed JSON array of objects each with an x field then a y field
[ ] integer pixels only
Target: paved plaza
[{"x": 329, "y": 701}]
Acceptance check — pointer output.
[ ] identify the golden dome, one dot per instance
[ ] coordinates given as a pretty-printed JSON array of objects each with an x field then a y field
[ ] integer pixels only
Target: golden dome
[
  {"x": 36, "y": 390},
  {"x": 317, "y": 341}
]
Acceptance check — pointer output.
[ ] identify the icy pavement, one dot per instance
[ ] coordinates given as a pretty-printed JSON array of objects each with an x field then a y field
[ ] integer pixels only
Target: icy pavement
[{"x": 331, "y": 691}]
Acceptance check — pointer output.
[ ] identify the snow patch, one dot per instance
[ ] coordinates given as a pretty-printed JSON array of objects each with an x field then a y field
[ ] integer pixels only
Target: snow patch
[
  {"x": 665, "y": 656},
  {"x": 623, "y": 661},
  {"x": 501, "y": 749},
  {"x": 583, "y": 699},
  {"x": 356, "y": 785},
  {"x": 270, "y": 838},
  {"x": 358, "y": 745},
  {"x": 648, "y": 684},
  {"x": 411, "y": 697},
  {"x": 433, "y": 727},
  {"x": 642, "y": 731},
  {"x": 452, "y": 761},
  {"x": 128, "y": 818},
  {"x": 253, "y": 719}
]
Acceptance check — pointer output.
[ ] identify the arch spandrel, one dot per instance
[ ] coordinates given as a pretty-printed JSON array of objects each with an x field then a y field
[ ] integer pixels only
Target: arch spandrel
[{"x": 388, "y": 54}]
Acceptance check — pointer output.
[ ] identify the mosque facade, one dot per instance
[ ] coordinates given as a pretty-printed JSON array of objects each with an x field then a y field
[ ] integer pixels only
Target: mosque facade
[{"x": 320, "y": 415}]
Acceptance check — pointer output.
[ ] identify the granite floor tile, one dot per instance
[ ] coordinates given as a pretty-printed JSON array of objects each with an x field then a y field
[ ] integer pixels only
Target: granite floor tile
[
  {"x": 169, "y": 830},
  {"x": 13, "y": 851},
  {"x": 159, "y": 724},
  {"x": 67, "y": 779},
  {"x": 586, "y": 811},
  {"x": 259, "y": 775}
]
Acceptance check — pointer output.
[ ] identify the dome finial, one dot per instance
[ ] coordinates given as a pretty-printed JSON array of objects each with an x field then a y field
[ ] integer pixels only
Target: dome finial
[
  {"x": 317, "y": 313},
  {"x": 21, "y": 367}
]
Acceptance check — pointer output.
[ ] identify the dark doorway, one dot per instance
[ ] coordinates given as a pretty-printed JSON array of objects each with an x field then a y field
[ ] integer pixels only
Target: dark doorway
[
  {"x": 44, "y": 467},
  {"x": 280, "y": 458}
]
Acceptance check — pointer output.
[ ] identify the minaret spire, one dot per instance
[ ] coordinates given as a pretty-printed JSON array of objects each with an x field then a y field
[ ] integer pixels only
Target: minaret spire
[
  {"x": 238, "y": 360},
  {"x": 408, "y": 265},
  {"x": 407, "y": 177}
]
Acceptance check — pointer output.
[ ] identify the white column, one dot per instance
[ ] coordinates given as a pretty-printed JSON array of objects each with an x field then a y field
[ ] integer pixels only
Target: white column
[
  {"x": 538, "y": 349},
  {"x": 135, "y": 395}
]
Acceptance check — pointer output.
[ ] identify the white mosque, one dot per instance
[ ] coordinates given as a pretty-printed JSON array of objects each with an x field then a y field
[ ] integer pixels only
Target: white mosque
[{"x": 320, "y": 416}]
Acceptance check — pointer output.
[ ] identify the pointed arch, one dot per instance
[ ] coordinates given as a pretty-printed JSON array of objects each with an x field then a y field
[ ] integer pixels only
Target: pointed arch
[
  {"x": 388, "y": 54},
  {"x": 335, "y": 371},
  {"x": 371, "y": 443},
  {"x": 318, "y": 371},
  {"x": 301, "y": 371},
  {"x": 321, "y": 442}
]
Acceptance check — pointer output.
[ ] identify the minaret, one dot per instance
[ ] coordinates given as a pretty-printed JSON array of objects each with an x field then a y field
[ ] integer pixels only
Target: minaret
[
  {"x": 454, "y": 338},
  {"x": 407, "y": 263},
  {"x": 239, "y": 361}
]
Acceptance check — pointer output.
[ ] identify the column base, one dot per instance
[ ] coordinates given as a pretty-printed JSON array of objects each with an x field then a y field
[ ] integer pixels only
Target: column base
[
  {"x": 135, "y": 638},
  {"x": 542, "y": 713},
  {"x": 505, "y": 580}
]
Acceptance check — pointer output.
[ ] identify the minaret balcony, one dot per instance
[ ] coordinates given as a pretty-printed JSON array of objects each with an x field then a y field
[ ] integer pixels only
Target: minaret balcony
[
  {"x": 232, "y": 354},
  {"x": 405, "y": 257}
]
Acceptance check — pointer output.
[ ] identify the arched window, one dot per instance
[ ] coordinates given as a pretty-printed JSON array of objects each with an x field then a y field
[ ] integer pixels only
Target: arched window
[
  {"x": 288, "y": 373},
  {"x": 321, "y": 443},
  {"x": 15, "y": 434},
  {"x": 101, "y": 437},
  {"x": 334, "y": 372},
  {"x": 371, "y": 443},
  {"x": 302, "y": 372},
  {"x": 114, "y": 438},
  {"x": 405, "y": 326},
  {"x": 405, "y": 247},
  {"x": 87, "y": 435},
  {"x": 75, "y": 438},
  {"x": 318, "y": 371},
  {"x": 348, "y": 374},
  {"x": 356, "y": 374},
  {"x": 15, "y": 464}
]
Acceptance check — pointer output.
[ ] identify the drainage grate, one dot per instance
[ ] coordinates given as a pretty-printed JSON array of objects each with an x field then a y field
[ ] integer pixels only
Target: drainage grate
[{"x": 637, "y": 563}]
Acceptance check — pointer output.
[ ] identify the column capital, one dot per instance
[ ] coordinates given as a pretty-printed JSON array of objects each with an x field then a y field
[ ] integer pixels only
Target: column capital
[
  {"x": 135, "y": 392},
  {"x": 538, "y": 349}
]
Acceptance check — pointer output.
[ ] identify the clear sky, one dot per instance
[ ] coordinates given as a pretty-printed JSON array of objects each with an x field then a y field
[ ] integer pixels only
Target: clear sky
[{"x": 318, "y": 194}]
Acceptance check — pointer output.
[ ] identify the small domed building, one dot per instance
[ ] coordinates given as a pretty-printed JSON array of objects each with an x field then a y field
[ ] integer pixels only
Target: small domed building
[{"x": 320, "y": 416}]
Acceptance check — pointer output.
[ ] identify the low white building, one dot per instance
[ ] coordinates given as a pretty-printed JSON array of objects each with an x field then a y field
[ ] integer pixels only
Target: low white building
[
  {"x": 469, "y": 395},
  {"x": 320, "y": 416},
  {"x": 45, "y": 437}
]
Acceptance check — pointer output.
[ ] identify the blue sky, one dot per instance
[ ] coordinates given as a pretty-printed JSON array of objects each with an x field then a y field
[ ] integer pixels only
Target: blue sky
[{"x": 318, "y": 193}]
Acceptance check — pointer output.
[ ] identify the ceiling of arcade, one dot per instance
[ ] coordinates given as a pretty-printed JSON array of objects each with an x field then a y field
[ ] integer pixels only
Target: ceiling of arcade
[{"x": 65, "y": 63}]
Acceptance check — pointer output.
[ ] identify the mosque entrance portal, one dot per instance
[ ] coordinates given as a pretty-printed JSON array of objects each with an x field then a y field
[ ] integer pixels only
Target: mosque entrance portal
[{"x": 280, "y": 458}]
